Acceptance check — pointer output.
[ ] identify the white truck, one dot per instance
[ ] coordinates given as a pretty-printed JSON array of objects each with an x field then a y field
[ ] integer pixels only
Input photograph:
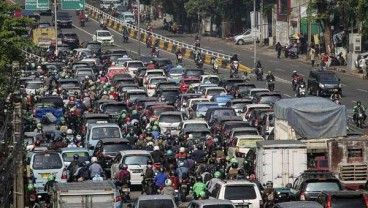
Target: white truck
[
  {"x": 96, "y": 194},
  {"x": 280, "y": 161}
]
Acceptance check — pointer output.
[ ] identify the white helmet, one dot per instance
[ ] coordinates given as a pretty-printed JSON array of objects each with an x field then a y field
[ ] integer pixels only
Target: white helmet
[
  {"x": 69, "y": 131},
  {"x": 39, "y": 67},
  {"x": 182, "y": 149},
  {"x": 93, "y": 159},
  {"x": 113, "y": 64},
  {"x": 156, "y": 148},
  {"x": 168, "y": 182},
  {"x": 54, "y": 93},
  {"x": 190, "y": 136},
  {"x": 149, "y": 144},
  {"x": 79, "y": 138}
]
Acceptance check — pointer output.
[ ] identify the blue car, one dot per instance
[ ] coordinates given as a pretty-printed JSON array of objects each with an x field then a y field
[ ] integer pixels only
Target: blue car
[
  {"x": 221, "y": 99},
  {"x": 176, "y": 74}
]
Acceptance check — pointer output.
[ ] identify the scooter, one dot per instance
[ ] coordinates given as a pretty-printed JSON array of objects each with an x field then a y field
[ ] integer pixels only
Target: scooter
[
  {"x": 82, "y": 22},
  {"x": 259, "y": 74},
  {"x": 301, "y": 91},
  {"x": 180, "y": 58},
  {"x": 271, "y": 85},
  {"x": 199, "y": 63},
  {"x": 125, "y": 38}
]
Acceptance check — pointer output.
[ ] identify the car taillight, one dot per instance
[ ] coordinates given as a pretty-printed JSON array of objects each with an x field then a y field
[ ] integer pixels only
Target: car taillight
[
  {"x": 302, "y": 196},
  {"x": 365, "y": 199},
  {"x": 63, "y": 175},
  {"x": 237, "y": 149},
  {"x": 83, "y": 129},
  {"x": 328, "y": 205},
  {"x": 128, "y": 103},
  {"x": 218, "y": 128},
  {"x": 150, "y": 87},
  {"x": 106, "y": 156}
]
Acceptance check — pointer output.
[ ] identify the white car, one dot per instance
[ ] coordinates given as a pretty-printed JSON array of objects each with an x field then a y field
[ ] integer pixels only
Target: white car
[
  {"x": 152, "y": 85},
  {"x": 103, "y": 37},
  {"x": 190, "y": 103},
  {"x": 248, "y": 108},
  {"x": 170, "y": 120},
  {"x": 32, "y": 86},
  {"x": 132, "y": 66},
  {"x": 210, "y": 79},
  {"x": 152, "y": 73},
  {"x": 209, "y": 92},
  {"x": 247, "y": 37},
  {"x": 254, "y": 91},
  {"x": 194, "y": 123}
]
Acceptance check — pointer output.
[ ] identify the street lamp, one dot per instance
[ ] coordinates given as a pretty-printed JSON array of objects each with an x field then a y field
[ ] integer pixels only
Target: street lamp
[
  {"x": 139, "y": 28},
  {"x": 254, "y": 35},
  {"x": 56, "y": 33}
]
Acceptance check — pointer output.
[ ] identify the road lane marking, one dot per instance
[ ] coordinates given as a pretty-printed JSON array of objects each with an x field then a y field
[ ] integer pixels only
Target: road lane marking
[
  {"x": 287, "y": 95},
  {"x": 280, "y": 70},
  {"x": 362, "y": 90},
  {"x": 282, "y": 80}
]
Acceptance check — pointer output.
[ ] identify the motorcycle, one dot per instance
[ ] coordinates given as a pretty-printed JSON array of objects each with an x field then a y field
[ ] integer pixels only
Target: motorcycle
[
  {"x": 293, "y": 55},
  {"x": 259, "y": 74},
  {"x": 155, "y": 52},
  {"x": 199, "y": 63},
  {"x": 149, "y": 43},
  {"x": 180, "y": 58},
  {"x": 197, "y": 44},
  {"x": 150, "y": 187},
  {"x": 125, "y": 193},
  {"x": 359, "y": 118},
  {"x": 125, "y": 38},
  {"x": 215, "y": 68},
  {"x": 294, "y": 82},
  {"x": 82, "y": 22},
  {"x": 271, "y": 85},
  {"x": 337, "y": 101},
  {"x": 301, "y": 91}
]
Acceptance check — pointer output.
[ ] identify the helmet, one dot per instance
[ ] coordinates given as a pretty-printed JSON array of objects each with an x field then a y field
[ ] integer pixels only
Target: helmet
[
  {"x": 199, "y": 179},
  {"x": 113, "y": 64},
  {"x": 241, "y": 172},
  {"x": 359, "y": 103},
  {"x": 168, "y": 182},
  {"x": 123, "y": 166},
  {"x": 156, "y": 123},
  {"x": 269, "y": 72},
  {"x": 180, "y": 163},
  {"x": 214, "y": 154},
  {"x": 134, "y": 112},
  {"x": 252, "y": 176},
  {"x": 156, "y": 148},
  {"x": 217, "y": 174},
  {"x": 294, "y": 71},
  {"x": 200, "y": 147},
  {"x": 79, "y": 137},
  {"x": 37, "y": 143},
  {"x": 39, "y": 125},
  {"x": 234, "y": 165},
  {"x": 269, "y": 184},
  {"x": 154, "y": 128},
  {"x": 75, "y": 156},
  {"x": 39, "y": 67},
  {"x": 93, "y": 159},
  {"x": 182, "y": 149},
  {"x": 50, "y": 177},
  {"x": 211, "y": 161},
  {"x": 169, "y": 152},
  {"x": 202, "y": 194},
  {"x": 149, "y": 162},
  {"x": 234, "y": 160},
  {"x": 69, "y": 131},
  {"x": 123, "y": 115},
  {"x": 30, "y": 187}
]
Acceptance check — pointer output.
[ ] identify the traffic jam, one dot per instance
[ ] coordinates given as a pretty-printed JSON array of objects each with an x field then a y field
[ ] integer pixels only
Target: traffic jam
[{"x": 105, "y": 128}]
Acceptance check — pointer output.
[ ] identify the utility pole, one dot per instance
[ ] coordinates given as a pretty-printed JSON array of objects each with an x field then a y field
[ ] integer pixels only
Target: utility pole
[
  {"x": 56, "y": 33},
  {"x": 261, "y": 23},
  {"x": 254, "y": 34},
  {"x": 139, "y": 28}
]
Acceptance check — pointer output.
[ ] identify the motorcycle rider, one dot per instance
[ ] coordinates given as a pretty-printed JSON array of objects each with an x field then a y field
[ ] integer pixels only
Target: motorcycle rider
[
  {"x": 214, "y": 62},
  {"x": 182, "y": 171},
  {"x": 125, "y": 33},
  {"x": 234, "y": 58},
  {"x": 49, "y": 188},
  {"x": 160, "y": 178},
  {"x": 300, "y": 83},
  {"x": 211, "y": 183},
  {"x": 335, "y": 95},
  {"x": 178, "y": 52},
  {"x": 181, "y": 155},
  {"x": 198, "y": 187},
  {"x": 241, "y": 175},
  {"x": 73, "y": 167},
  {"x": 198, "y": 56},
  {"x": 168, "y": 189},
  {"x": 356, "y": 109},
  {"x": 269, "y": 194},
  {"x": 269, "y": 78},
  {"x": 123, "y": 176},
  {"x": 233, "y": 171},
  {"x": 157, "y": 155},
  {"x": 148, "y": 173},
  {"x": 95, "y": 168},
  {"x": 82, "y": 16},
  {"x": 199, "y": 155}
]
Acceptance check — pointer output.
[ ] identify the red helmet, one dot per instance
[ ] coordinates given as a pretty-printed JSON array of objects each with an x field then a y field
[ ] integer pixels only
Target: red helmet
[
  {"x": 127, "y": 119},
  {"x": 37, "y": 143}
]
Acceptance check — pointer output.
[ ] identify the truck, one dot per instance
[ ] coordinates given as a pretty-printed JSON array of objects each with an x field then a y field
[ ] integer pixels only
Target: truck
[
  {"x": 96, "y": 194},
  {"x": 44, "y": 37},
  {"x": 280, "y": 161}
]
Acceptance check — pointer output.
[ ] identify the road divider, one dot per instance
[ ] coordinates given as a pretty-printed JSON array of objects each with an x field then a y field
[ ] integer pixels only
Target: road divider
[{"x": 164, "y": 43}]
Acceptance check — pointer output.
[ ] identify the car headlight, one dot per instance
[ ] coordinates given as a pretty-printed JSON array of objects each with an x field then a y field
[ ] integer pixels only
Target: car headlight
[{"x": 321, "y": 85}]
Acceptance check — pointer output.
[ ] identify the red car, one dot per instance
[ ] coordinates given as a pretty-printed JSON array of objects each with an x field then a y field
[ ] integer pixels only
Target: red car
[
  {"x": 154, "y": 112},
  {"x": 185, "y": 82}
]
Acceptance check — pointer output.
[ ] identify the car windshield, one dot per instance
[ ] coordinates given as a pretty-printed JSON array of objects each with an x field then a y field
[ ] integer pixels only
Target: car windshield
[
  {"x": 348, "y": 201},
  {"x": 188, "y": 82},
  {"x": 239, "y": 105},
  {"x": 176, "y": 71},
  {"x": 270, "y": 99},
  {"x": 136, "y": 64},
  {"x": 240, "y": 192},
  {"x": 214, "y": 92},
  {"x": 226, "y": 112},
  {"x": 136, "y": 160},
  {"x": 115, "y": 108},
  {"x": 170, "y": 119},
  {"x": 322, "y": 186},
  {"x": 213, "y": 80},
  {"x": 85, "y": 72},
  {"x": 156, "y": 203},
  {"x": 170, "y": 93},
  {"x": 155, "y": 81},
  {"x": 105, "y": 132},
  {"x": 68, "y": 156},
  {"x": 134, "y": 96},
  {"x": 245, "y": 132},
  {"x": 329, "y": 77},
  {"x": 94, "y": 46},
  {"x": 158, "y": 111},
  {"x": 129, "y": 17},
  {"x": 104, "y": 34},
  {"x": 196, "y": 125},
  {"x": 200, "y": 134},
  {"x": 195, "y": 73},
  {"x": 33, "y": 85},
  {"x": 114, "y": 148},
  {"x": 257, "y": 91},
  {"x": 245, "y": 89},
  {"x": 47, "y": 161},
  {"x": 69, "y": 84},
  {"x": 155, "y": 74},
  {"x": 248, "y": 142},
  {"x": 97, "y": 120},
  {"x": 203, "y": 107},
  {"x": 218, "y": 206}
]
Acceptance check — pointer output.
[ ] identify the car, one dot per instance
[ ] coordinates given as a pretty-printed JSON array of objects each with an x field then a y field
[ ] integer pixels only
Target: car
[
  {"x": 239, "y": 192},
  {"x": 93, "y": 118},
  {"x": 131, "y": 95},
  {"x": 161, "y": 63},
  {"x": 200, "y": 134},
  {"x": 228, "y": 83},
  {"x": 122, "y": 60},
  {"x": 32, "y": 86},
  {"x": 84, "y": 52},
  {"x": 176, "y": 74},
  {"x": 151, "y": 85},
  {"x": 238, "y": 105},
  {"x": 255, "y": 116},
  {"x": 127, "y": 18},
  {"x": 322, "y": 82},
  {"x": 169, "y": 121},
  {"x": 218, "y": 123},
  {"x": 146, "y": 59},
  {"x": 116, "y": 51},
  {"x": 267, "y": 123},
  {"x": 96, "y": 132},
  {"x": 250, "y": 107},
  {"x": 266, "y": 98},
  {"x": 227, "y": 127},
  {"x": 44, "y": 164},
  {"x": 126, "y": 80},
  {"x": 68, "y": 153},
  {"x": 153, "y": 112},
  {"x": 95, "y": 47},
  {"x": 152, "y": 73},
  {"x": 71, "y": 39},
  {"x": 168, "y": 94},
  {"x": 221, "y": 99},
  {"x": 213, "y": 113},
  {"x": 81, "y": 74},
  {"x": 182, "y": 101},
  {"x": 31, "y": 137},
  {"x": 185, "y": 82},
  {"x": 63, "y": 19},
  {"x": 154, "y": 201},
  {"x": 123, "y": 88},
  {"x": 199, "y": 87},
  {"x": 104, "y": 37},
  {"x": 136, "y": 160},
  {"x": 189, "y": 104},
  {"x": 209, "y": 92},
  {"x": 139, "y": 74},
  {"x": 192, "y": 123},
  {"x": 346, "y": 198},
  {"x": 210, "y": 79},
  {"x": 199, "y": 109},
  {"x": 241, "y": 90},
  {"x": 139, "y": 102},
  {"x": 211, "y": 203},
  {"x": 240, "y": 131},
  {"x": 106, "y": 150},
  {"x": 166, "y": 84},
  {"x": 254, "y": 91},
  {"x": 299, "y": 204},
  {"x": 240, "y": 145},
  {"x": 309, "y": 184},
  {"x": 132, "y": 66},
  {"x": 113, "y": 109},
  {"x": 193, "y": 73},
  {"x": 44, "y": 25},
  {"x": 247, "y": 36}
]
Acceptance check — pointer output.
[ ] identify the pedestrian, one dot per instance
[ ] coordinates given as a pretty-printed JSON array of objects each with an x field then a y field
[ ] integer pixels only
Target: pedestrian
[
  {"x": 278, "y": 49},
  {"x": 312, "y": 53}
]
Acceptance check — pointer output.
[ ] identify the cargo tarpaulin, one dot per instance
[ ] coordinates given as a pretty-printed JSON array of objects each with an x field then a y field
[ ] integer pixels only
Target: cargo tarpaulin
[
  {"x": 56, "y": 112},
  {"x": 313, "y": 117}
]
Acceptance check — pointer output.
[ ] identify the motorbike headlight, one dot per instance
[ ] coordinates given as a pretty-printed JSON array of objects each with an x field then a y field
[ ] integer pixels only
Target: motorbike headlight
[{"x": 321, "y": 85}]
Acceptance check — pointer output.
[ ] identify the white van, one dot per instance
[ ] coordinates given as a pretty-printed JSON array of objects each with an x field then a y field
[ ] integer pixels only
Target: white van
[
  {"x": 96, "y": 132},
  {"x": 45, "y": 163},
  {"x": 247, "y": 37},
  {"x": 127, "y": 17}
]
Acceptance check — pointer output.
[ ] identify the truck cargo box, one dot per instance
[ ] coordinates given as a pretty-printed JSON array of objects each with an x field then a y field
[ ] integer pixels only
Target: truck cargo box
[
  {"x": 309, "y": 118},
  {"x": 280, "y": 161}
]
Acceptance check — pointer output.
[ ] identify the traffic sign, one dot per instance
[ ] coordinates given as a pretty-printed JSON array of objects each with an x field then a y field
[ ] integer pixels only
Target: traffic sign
[
  {"x": 37, "y": 5},
  {"x": 72, "y": 4}
]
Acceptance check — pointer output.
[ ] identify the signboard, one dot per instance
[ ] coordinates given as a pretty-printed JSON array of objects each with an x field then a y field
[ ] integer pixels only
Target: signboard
[
  {"x": 72, "y": 4},
  {"x": 37, "y": 5}
]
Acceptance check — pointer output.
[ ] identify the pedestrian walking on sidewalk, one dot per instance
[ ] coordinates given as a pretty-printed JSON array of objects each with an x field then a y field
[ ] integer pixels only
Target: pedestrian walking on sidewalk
[
  {"x": 278, "y": 49},
  {"x": 312, "y": 53}
]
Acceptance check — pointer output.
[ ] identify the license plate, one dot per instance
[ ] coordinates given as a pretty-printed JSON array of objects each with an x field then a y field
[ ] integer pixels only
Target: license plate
[
  {"x": 242, "y": 206},
  {"x": 125, "y": 189},
  {"x": 45, "y": 175},
  {"x": 137, "y": 170}
]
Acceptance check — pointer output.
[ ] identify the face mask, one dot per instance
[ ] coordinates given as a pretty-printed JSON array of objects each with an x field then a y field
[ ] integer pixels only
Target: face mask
[{"x": 149, "y": 166}]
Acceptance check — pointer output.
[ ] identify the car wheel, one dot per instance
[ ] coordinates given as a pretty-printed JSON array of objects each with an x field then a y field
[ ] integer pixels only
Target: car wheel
[{"x": 240, "y": 42}]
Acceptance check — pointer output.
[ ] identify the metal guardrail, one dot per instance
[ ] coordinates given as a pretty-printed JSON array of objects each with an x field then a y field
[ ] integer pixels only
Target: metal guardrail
[{"x": 157, "y": 36}]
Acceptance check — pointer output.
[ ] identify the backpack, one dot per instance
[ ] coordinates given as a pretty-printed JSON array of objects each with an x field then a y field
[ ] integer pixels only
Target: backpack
[{"x": 150, "y": 173}]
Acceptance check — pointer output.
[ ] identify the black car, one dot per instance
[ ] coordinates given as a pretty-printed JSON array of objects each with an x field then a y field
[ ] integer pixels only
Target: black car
[
  {"x": 63, "y": 20},
  {"x": 95, "y": 47},
  {"x": 213, "y": 113},
  {"x": 241, "y": 90},
  {"x": 161, "y": 62},
  {"x": 340, "y": 199},
  {"x": 139, "y": 75},
  {"x": 309, "y": 184},
  {"x": 228, "y": 83},
  {"x": 196, "y": 73},
  {"x": 107, "y": 149},
  {"x": 70, "y": 39},
  {"x": 266, "y": 98},
  {"x": 168, "y": 94},
  {"x": 321, "y": 82}
]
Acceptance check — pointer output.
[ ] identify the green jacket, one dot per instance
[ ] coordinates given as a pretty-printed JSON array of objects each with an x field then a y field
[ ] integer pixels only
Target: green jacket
[{"x": 199, "y": 187}]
